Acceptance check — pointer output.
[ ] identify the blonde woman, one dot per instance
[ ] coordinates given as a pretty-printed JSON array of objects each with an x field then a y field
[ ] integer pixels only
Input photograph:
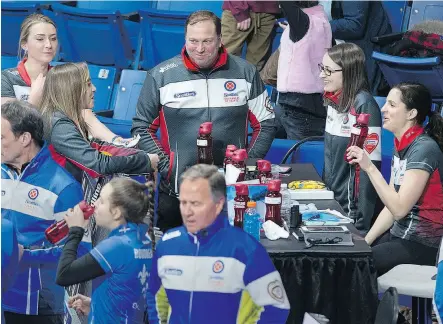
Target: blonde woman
[
  {"x": 67, "y": 92},
  {"x": 38, "y": 45}
]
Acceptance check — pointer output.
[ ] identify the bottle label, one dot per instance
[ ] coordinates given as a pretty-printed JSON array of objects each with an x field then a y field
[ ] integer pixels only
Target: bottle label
[
  {"x": 356, "y": 131},
  {"x": 239, "y": 204},
  {"x": 273, "y": 200},
  {"x": 202, "y": 142}
]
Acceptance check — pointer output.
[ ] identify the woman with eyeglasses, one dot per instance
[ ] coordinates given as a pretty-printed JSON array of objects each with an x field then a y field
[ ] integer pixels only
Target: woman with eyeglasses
[
  {"x": 346, "y": 96},
  {"x": 303, "y": 44},
  {"x": 410, "y": 227}
]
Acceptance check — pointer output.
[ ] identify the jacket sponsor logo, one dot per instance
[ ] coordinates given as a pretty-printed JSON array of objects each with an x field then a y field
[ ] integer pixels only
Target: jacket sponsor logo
[
  {"x": 276, "y": 291},
  {"x": 167, "y": 67},
  {"x": 33, "y": 194},
  {"x": 171, "y": 235},
  {"x": 345, "y": 119},
  {"x": 268, "y": 104},
  {"x": 230, "y": 86},
  {"x": 185, "y": 94},
  {"x": 371, "y": 142},
  {"x": 218, "y": 266},
  {"x": 3, "y": 193},
  {"x": 173, "y": 271},
  {"x": 143, "y": 253}
]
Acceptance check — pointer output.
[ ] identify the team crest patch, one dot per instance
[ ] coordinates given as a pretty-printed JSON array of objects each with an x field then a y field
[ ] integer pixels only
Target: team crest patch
[
  {"x": 371, "y": 142},
  {"x": 276, "y": 291},
  {"x": 230, "y": 86},
  {"x": 218, "y": 266},
  {"x": 33, "y": 194},
  {"x": 268, "y": 104}
]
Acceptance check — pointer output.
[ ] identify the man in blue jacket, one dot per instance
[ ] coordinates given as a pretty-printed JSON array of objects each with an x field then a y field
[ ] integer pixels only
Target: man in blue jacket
[
  {"x": 208, "y": 271},
  {"x": 36, "y": 191}
]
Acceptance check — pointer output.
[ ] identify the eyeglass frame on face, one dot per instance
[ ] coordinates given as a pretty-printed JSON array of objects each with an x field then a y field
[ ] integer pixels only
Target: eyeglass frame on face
[{"x": 326, "y": 70}]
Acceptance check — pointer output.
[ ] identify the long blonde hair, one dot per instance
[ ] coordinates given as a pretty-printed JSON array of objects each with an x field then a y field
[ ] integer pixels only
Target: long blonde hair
[
  {"x": 25, "y": 28},
  {"x": 65, "y": 91}
]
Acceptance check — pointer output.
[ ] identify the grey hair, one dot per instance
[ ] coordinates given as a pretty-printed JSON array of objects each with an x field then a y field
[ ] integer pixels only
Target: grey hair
[{"x": 216, "y": 180}]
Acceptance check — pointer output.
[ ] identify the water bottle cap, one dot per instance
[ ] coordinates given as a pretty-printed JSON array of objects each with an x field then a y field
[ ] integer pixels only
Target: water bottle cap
[
  {"x": 230, "y": 151},
  {"x": 241, "y": 189},
  {"x": 251, "y": 204},
  {"x": 205, "y": 128},
  {"x": 274, "y": 185},
  {"x": 363, "y": 119},
  {"x": 231, "y": 147},
  {"x": 284, "y": 186},
  {"x": 263, "y": 165},
  {"x": 240, "y": 155}
]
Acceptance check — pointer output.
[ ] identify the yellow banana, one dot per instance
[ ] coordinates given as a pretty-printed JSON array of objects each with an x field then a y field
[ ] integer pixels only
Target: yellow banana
[{"x": 306, "y": 184}]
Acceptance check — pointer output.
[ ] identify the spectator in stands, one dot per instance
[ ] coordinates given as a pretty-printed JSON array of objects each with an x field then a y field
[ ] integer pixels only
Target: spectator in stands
[
  {"x": 346, "y": 96},
  {"x": 250, "y": 23},
  {"x": 38, "y": 41},
  {"x": 438, "y": 296},
  {"x": 36, "y": 191},
  {"x": 303, "y": 43},
  {"x": 203, "y": 84},
  {"x": 414, "y": 198},
  {"x": 189, "y": 260},
  {"x": 358, "y": 22},
  {"x": 67, "y": 92},
  {"x": 123, "y": 258}
]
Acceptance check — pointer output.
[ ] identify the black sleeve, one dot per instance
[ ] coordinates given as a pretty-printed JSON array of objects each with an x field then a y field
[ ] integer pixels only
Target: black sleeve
[
  {"x": 297, "y": 19},
  {"x": 71, "y": 270}
]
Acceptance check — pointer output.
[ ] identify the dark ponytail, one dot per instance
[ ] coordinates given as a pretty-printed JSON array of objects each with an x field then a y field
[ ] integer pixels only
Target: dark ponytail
[
  {"x": 434, "y": 128},
  {"x": 134, "y": 199}
]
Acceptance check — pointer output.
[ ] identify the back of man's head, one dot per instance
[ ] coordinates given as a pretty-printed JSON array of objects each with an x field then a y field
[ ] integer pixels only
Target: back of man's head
[
  {"x": 23, "y": 118},
  {"x": 203, "y": 15}
]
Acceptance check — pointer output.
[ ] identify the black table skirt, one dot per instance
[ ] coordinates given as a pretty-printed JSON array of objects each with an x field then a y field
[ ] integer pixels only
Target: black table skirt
[{"x": 343, "y": 288}]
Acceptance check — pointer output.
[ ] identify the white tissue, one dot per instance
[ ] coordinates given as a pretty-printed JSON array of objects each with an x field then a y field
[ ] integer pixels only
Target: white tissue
[
  {"x": 231, "y": 174},
  {"x": 273, "y": 231}
]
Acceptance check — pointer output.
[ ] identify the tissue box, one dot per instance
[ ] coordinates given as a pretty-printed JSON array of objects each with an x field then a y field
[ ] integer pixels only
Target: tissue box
[{"x": 257, "y": 193}]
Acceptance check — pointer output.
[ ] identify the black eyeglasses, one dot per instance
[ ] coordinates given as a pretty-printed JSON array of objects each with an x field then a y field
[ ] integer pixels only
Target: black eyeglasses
[{"x": 327, "y": 71}]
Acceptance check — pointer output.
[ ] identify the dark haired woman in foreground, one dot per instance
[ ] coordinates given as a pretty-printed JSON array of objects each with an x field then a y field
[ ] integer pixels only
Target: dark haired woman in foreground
[{"x": 414, "y": 198}]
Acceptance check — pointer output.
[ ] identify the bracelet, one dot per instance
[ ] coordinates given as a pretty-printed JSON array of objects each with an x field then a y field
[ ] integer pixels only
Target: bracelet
[{"x": 114, "y": 138}]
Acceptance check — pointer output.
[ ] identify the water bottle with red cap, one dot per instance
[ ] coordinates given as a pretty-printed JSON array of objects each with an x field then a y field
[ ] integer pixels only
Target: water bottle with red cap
[
  {"x": 204, "y": 144},
  {"x": 230, "y": 149},
  {"x": 59, "y": 230},
  {"x": 238, "y": 158},
  {"x": 359, "y": 132},
  {"x": 273, "y": 202},
  {"x": 240, "y": 200},
  {"x": 264, "y": 171}
]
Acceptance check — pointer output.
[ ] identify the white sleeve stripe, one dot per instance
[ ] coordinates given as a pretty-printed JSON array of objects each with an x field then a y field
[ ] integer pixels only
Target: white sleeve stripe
[
  {"x": 268, "y": 291},
  {"x": 258, "y": 108},
  {"x": 104, "y": 259}
]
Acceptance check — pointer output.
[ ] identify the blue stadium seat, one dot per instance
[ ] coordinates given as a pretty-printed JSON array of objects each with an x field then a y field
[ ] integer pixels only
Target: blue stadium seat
[
  {"x": 9, "y": 62},
  {"x": 128, "y": 92},
  {"x": 387, "y": 146},
  {"x": 188, "y": 6},
  {"x": 13, "y": 14},
  {"x": 398, "y": 14},
  {"x": 163, "y": 35},
  {"x": 95, "y": 36},
  {"x": 428, "y": 71},
  {"x": 425, "y": 10}
]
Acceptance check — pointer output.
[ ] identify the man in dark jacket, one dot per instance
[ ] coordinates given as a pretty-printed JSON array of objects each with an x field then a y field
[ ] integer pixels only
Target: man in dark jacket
[
  {"x": 358, "y": 22},
  {"x": 203, "y": 84},
  {"x": 250, "y": 22}
]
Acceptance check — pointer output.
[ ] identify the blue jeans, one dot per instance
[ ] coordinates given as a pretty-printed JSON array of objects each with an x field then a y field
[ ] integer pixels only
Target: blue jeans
[{"x": 300, "y": 124}]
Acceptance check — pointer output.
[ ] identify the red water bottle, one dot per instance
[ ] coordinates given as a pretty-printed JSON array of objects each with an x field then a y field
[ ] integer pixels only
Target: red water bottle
[
  {"x": 359, "y": 132},
  {"x": 240, "y": 201},
  {"x": 238, "y": 158},
  {"x": 273, "y": 202},
  {"x": 230, "y": 149},
  {"x": 59, "y": 230},
  {"x": 264, "y": 171},
  {"x": 204, "y": 144}
]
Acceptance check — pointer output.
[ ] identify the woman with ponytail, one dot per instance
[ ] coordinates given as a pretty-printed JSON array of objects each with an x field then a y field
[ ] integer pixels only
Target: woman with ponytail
[
  {"x": 414, "y": 197},
  {"x": 123, "y": 258}
]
